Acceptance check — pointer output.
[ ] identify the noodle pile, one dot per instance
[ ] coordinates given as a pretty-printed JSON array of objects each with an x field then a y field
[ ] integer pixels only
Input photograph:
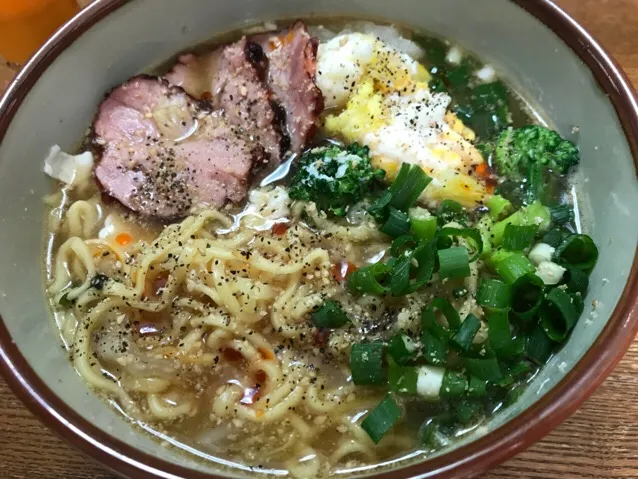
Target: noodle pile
[{"x": 205, "y": 327}]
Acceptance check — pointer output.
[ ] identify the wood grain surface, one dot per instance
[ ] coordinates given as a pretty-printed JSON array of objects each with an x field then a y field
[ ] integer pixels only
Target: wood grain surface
[{"x": 600, "y": 441}]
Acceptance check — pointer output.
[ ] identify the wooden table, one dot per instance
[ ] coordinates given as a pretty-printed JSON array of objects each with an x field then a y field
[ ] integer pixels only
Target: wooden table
[{"x": 600, "y": 441}]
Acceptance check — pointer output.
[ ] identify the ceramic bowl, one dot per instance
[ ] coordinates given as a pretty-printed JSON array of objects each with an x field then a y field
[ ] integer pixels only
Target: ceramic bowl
[{"x": 544, "y": 54}]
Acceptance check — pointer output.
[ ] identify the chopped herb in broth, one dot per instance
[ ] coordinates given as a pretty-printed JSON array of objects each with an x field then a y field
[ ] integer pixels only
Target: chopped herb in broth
[{"x": 401, "y": 277}]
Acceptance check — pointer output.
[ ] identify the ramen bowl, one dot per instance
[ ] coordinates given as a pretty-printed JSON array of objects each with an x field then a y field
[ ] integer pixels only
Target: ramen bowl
[{"x": 550, "y": 60}]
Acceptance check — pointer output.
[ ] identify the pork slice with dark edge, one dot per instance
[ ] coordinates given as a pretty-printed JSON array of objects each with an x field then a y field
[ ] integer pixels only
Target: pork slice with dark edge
[
  {"x": 162, "y": 154},
  {"x": 292, "y": 69},
  {"x": 232, "y": 78}
]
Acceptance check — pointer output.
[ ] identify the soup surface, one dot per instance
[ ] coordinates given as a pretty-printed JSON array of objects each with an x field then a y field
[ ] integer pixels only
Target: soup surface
[{"x": 311, "y": 250}]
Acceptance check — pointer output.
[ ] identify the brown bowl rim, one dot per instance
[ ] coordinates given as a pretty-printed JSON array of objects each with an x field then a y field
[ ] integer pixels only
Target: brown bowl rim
[{"x": 466, "y": 461}]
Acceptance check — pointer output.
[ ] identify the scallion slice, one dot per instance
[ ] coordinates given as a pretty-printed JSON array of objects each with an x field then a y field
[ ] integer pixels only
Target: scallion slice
[
  {"x": 476, "y": 388},
  {"x": 527, "y": 295},
  {"x": 401, "y": 348},
  {"x": 534, "y": 214},
  {"x": 454, "y": 262},
  {"x": 486, "y": 369},
  {"x": 366, "y": 364},
  {"x": 435, "y": 348},
  {"x": 539, "y": 346},
  {"x": 400, "y": 275},
  {"x": 561, "y": 214},
  {"x": 577, "y": 251},
  {"x": 466, "y": 410},
  {"x": 558, "y": 314},
  {"x": 493, "y": 294},
  {"x": 517, "y": 238},
  {"x": 381, "y": 419},
  {"x": 451, "y": 315},
  {"x": 422, "y": 224},
  {"x": 500, "y": 335},
  {"x": 454, "y": 384},
  {"x": 499, "y": 206},
  {"x": 451, "y": 210},
  {"x": 471, "y": 234},
  {"x": 408, "y": 186},
  {"x": 555, "y": 236},
  {"x": 513, "y": 266},
  {"x": 329, "y": 315},
  {"x": 379, "y": 209},
  {"x": 370, "y": 279},
  {"x": 402, "y": 379},
  {"x": 577, "y": 280},
  {"x": 397, "y": 224},
  {"x": 464, "y": 335}
]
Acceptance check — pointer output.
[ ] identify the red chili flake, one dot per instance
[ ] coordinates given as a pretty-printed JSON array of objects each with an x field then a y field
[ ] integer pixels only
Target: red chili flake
[
  {"x": 261, "y": 377},
  {"x": 280, "y": 229},
  {"x": 321, "y": 337},
  {"x": 266, "y": 353},
  {"x": 342, "y": 269},
  {"x": 232, "y": 354}
]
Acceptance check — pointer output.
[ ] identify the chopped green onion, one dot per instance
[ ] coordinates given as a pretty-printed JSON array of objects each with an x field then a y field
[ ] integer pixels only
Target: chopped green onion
[
  {"x": 403, "y": 244},
  {"x": 476, "y": 388},
  {"x": 397, "y": 224},
  {"x": 430, "y": 324},
  {"x": 513, "y": 266},
  {"x": 454, "y": 384},
  {"x": 466, "y": 410},
  {"x": 422, "y": 272},
  {"x": 329, "y": 315},
  {"x": 379, "y": 209},
  {"x": 577, "y": 280},
  {"x": 422, "y": 224},
  {"x": 493, "y": 294},
  {"x": 578, "y": 251},
  {"x": 539, "y": 347},
  {"x": 486, "y": 369},
  {"x": 369, "y": 279},
  {"x": 535, "y": 183},
  {"x": 517, "y": 238},
  {"x": 471, "y": 234},
  {"x": 454, "y": 262},
  {"x": 435, "y": 349},
  {"x": 430, "y": 435},
  {"x": 500, "y": 335},
  {"x": 499, "y": 206},
  {"x": 366, "y": 364},
  {"x": 562, "y": 214},
  {"x": 527, "y": 295},
  {"x": 451, "y": 315},
  {"x": 579, "y": 303},
  {"x": 408, "y": 186},
  {"x": 450, "y": 211},
  {"x": 464, "y": 336},
  {"x": 401, "y": 348},
  {"x": 484, "y": 226},
  {"x": 558, "y": 315},
  {"x": 400, "y": 275},
  {"x": 554, "y": 237},
  {"x": 534, "y": 214},
  {"x": 402, "y": 379},
  {"x": 381, "y": 419}
]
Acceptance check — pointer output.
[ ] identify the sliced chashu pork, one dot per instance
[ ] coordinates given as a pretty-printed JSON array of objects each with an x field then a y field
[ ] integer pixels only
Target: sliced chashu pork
[
  {"x": 162, "y": 154},
  {"x": 292, "y": 69},
  {"x": 288, "y": 75}
]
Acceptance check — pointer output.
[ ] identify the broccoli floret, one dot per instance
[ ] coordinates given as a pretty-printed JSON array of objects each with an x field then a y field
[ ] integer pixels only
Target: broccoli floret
[
  {"x": 334, "y": 178},
  {"x": 518, "y": 150}
]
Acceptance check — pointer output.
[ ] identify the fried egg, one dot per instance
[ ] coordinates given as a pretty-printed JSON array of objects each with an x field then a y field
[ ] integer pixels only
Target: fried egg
[{"x": 384, "y": 103}]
